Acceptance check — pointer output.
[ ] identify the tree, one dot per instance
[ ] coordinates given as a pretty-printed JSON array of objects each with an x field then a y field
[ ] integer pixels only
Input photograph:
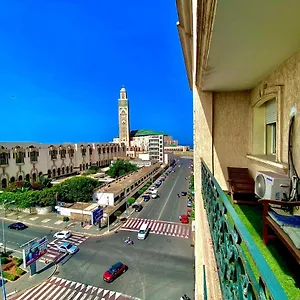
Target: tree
[
  {"x": 120, "y": 168},
  {"x": 117, "y": 213},
  {"x": 130, "y": 201},
  {"x": 66, "y": 219},
  {"x": 76, "y": 189},
  {"x": 44, "y": 181}
]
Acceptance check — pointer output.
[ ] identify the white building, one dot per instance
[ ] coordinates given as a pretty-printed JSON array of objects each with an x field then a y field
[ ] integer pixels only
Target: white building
[
  {"x": 156, "y": 148},
  {"x": 176, "y": 148},
  {"x": 28, "y": 161}
]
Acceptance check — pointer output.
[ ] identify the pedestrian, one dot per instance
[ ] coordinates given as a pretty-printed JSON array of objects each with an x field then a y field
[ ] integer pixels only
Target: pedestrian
[{"x": 81, "y": 223}]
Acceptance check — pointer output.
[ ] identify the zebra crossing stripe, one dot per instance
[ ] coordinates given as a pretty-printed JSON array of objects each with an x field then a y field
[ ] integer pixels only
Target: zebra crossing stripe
[
  {"x": 71, "y": 295},
  {"x": 179, "y": 231},
  {"x": 77, "y": 296},
  {"x": 158, "y": 227}
]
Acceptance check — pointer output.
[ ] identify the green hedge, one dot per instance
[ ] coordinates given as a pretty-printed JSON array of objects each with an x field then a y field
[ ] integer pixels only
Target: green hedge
[
  {"x": 4, "y": 260},
  {"x": 18, "y": 261},
  {"x": 9, "y": 276},
  {"x": 192, "y": 215},
  {"x": 20, "y": 271}
]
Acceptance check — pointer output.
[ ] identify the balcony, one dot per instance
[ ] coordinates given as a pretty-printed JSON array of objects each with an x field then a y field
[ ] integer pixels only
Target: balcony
[{"x": 242, "y": 268}]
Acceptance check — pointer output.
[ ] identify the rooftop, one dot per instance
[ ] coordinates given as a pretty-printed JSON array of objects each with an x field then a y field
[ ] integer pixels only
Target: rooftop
[
  {"x": 84, "y": 206},
  {"x": 117, "y": 186},
  {"x": 144, "y": 132}
]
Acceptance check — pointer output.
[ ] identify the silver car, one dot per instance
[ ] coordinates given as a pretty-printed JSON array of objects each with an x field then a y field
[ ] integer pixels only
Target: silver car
[{"x": 67, "y": 247}]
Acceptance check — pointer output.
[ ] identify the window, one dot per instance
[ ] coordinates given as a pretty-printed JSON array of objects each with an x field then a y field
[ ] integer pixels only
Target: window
[
  {"x": 264, "y": 142},
  {"x": 271, "y": 116}
]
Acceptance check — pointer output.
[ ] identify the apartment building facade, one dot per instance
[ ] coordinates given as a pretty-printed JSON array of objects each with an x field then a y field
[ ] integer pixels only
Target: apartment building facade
[
  {"x": 27, "y": 161},
  {"x": 156, "y": 148}
]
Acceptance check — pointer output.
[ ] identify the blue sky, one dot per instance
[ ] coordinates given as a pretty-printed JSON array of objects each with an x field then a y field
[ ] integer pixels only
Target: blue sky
[{"x": 63, "y": 63}]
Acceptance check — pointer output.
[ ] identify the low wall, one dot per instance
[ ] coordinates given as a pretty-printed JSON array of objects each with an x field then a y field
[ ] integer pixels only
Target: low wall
[{"x": 32, "y": 210}]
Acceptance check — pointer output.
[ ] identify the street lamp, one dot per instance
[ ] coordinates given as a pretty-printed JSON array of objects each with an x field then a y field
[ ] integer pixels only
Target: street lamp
[
  {"x": 3, "y": 234},
  {"x": 2, "y": 282},
  {"x": 107, "y": 203},
  {"x": 127, "y": 205}
]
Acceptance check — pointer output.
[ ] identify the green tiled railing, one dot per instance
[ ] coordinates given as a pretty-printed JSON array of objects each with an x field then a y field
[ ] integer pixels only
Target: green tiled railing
[{"x": 231, "y": 241}]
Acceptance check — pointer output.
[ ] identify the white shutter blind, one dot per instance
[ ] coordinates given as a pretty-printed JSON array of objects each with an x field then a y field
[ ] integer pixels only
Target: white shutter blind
[{"x": 271, "y": 112}]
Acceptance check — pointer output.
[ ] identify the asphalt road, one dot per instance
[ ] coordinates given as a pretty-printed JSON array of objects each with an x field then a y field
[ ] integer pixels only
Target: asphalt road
[
  {"x": 14, "y": 238},
  {"x": 168, "y": 206},
  {"x": 160, "y": 267}
]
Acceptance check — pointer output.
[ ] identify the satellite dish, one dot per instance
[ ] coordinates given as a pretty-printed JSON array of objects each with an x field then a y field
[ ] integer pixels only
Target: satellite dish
[{"x": 260, "y": 186}]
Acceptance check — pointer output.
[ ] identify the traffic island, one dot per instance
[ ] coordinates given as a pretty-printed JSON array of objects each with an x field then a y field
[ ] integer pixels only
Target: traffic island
[{"x": 10, "y": 266}]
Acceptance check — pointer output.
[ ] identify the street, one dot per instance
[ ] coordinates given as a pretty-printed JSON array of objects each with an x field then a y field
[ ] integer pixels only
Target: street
[
  {"x": 14, "y": 238},
  {"x": 159, "y": 267}
]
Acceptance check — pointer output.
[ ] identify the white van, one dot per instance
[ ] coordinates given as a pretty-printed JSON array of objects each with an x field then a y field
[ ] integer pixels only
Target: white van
[{"x": 144, "y": 230}]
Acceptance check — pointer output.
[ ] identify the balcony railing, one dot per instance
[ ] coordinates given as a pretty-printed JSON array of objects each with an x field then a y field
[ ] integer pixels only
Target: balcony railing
[{"x": 229, "y": 237}]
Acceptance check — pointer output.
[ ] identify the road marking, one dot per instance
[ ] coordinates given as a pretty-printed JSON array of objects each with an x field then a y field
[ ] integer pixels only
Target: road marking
[
  {"x": 33, "y": 218},
  {"x": 46, "y": 220},
  {"x": 58, "y": 222},
  {"x": 168, "y": 198},
  {"x": 14, "y": 250},
  {"x": 11, "y": 214}
]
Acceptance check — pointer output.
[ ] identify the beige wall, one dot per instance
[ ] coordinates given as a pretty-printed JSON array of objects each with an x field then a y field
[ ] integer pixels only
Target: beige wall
[
  {"x": 232, "y": 115},
  {"x": 230, "y": 132},
  {"x": 288, "y": 77}
]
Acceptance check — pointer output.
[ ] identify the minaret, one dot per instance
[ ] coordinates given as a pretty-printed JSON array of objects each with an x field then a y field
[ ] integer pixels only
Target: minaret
[{"x": 124, "y": 118}]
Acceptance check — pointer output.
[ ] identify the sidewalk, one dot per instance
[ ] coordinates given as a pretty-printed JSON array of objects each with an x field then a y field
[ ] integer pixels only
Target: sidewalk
[{"x": 25, "y": 282}]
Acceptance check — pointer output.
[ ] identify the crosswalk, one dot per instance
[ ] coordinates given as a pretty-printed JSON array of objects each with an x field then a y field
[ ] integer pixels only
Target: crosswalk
[
  {"x": 53, "y": 254},
  {"x": 57, "y": 288},
  {"x": 159, "y": 227}
]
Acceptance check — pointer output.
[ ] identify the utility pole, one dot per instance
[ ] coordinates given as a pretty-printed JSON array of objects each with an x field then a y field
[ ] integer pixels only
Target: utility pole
[
  {"x": 2, "y": 282},
  {"x": 3, "y": 237}
]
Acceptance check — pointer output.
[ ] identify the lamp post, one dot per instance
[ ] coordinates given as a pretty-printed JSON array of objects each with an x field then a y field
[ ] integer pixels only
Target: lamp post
[
  {"x": 2, "y": 282},
  {"x": 3, "y": 233},
  {"x": 127, "y": 208},
  {"x": 107, "y": 203}
]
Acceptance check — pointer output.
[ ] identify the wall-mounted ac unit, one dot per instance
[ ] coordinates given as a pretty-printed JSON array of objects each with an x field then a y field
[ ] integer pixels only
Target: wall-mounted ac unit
[{"x": 270, "y": 185}]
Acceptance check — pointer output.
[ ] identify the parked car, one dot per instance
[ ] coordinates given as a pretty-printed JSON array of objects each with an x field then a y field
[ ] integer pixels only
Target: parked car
[
  {"x": 114, "y": 271},
  {"x": 62, "y": 234},
  {"x": 189, "y": 203},
  {"x": 137, "y": 207},
  {"x": 17, "y": 226},
  {"x": 67, "y": 247},
  {"x": 183, "y": 193},
  {"x": 184, "y": 219},
  {"x": 146, "y": 198}
]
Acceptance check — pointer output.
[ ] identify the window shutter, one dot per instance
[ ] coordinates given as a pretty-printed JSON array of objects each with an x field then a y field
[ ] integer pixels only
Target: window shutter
[{"x": 271, "y": 112}]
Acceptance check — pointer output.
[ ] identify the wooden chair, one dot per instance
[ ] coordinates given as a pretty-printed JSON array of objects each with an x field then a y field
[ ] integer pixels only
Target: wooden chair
[
  {"x": 269, "y": 222},
  {"x": 241, "y": 186}
]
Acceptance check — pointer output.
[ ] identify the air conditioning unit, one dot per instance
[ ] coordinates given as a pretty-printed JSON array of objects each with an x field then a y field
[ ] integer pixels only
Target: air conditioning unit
[{"x": 270, "y": 185}]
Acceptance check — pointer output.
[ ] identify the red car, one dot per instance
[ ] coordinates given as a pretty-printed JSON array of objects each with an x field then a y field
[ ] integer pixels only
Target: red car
[
  {"x": 114, "y": 271},
  {"x": 184, "y": 219}
]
